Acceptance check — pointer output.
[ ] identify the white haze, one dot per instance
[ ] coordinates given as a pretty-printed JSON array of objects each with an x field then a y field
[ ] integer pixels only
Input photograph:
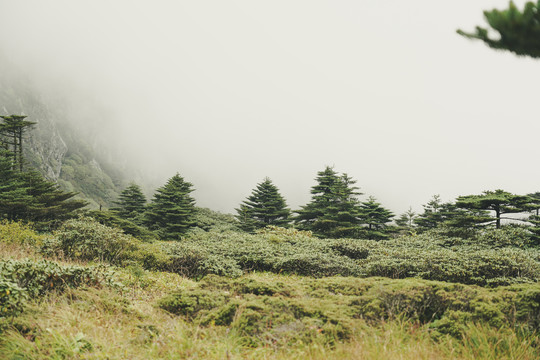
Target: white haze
[{"x": 229, "y": 92}]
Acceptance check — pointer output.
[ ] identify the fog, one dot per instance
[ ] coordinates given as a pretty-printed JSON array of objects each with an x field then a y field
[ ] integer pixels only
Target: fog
[{"x": 229, "y": 92}]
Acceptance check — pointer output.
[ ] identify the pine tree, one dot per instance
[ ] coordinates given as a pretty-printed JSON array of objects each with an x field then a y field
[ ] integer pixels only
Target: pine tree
[
  {"x": 11, "y": 135},
  {"x": 265, "y": 206},
  {"x": 534, "y": 218},
  {"x": 376, "y": 219},
  {"x": 499, "y": 201},
  {"x": 435, "y": 212},
  {"x": 50, "y": 205},
  {"x": 28, "y": 196},
  {"x": 334, "y": 208},
  {"x": 172, "y": 209},
  {"x": 518, "y": 32},
  {"x": 14, "y": 198},
  {"x": 131, "y": 203},
  {"x": 405, "y": 222}
]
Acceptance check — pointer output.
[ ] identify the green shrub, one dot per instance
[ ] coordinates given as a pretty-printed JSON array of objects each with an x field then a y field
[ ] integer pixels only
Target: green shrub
[
  {"x": 148, "y": 256},
  {"x": 353, "y": 249},
  {"x": 258, "y": 313},
  {"x": 271, "y": 309},
  {"x": 280, "y": 234},
  {"x": 87, "y": 239},
  {"x": 208, "y": 220},
  {"x": 39, "y": 277},
  {"x": 12, "y": 298},
  {"x": 526, "y": 305},
  {"x": 430, "y": 256},
  {"x": 195, "y": 262},
  {"x": 316, "y": 265},
  {"x": 111, "y": 219},
  {"x": 506, "y": 236},
  {"x": 21, "y": 280},
  {"x": 191, "y": 302},
  {"x": 19, "y": 233}
]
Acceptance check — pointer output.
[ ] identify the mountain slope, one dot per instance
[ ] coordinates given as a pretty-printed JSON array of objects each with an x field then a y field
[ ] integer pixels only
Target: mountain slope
[{"x": 62, "y": 151}]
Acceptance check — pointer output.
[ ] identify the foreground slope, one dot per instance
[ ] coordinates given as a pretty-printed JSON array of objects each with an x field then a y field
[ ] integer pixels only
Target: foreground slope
[{"x": 63, "y": 309}]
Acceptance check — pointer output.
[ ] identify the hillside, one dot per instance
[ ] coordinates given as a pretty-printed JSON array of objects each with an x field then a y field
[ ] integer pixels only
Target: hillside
[
  {"x": 107, "y": 295},
  {"x": 63, "y": 151}
]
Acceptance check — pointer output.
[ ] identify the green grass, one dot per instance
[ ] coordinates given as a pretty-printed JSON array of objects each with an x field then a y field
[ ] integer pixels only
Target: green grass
[
  {"x": 127, "y": 323},
  {"x": 260, "y": 315}
]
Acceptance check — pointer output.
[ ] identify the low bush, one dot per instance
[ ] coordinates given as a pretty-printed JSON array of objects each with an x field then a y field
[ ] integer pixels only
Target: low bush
[
  {"x": 39, "y": 277},
  {"x": 87, "y": 239},
  {"x": 271, "y": 309},
  {"x": 490, "y": 259},
  {"x": 12, "y": 298},
  {"x": 21, "y": 280},
  {"x": 506, "y": 236},
  {"x": 208, "y": 220},
  {"x": 195, "y": 262},
  {"x": 259, "y": 312},
  {"x": 111, "y": 219},
  {"x": 19, "y": 234},
  {"x": 430, "y": 256}
]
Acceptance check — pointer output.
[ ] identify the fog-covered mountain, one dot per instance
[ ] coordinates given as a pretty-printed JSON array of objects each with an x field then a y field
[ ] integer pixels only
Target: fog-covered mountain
[{"x": 64, "y": 145}]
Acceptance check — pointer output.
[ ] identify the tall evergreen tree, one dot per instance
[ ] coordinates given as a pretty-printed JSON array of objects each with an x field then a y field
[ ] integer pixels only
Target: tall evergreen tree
[
  {"x": 131, "y": 203},
  {"x": 534, "y": 218},
  {"x": 28, "y": 196},
  {"x": 14, "y": 198},
  {"x": 435, "y": 213},
  {"x": 334, "y": 208},
  {"x": 499, "y": 201},
  {"x": 376, "y": 219},
  {"x": 11, "y": 136},
  {"x": 172, "y": 209},
  {"x": 50, "y": 205},
  {"x": 405, "y": 222},
  {"x": 265, "y": 206},
  {"x": 517, "y": 31}
]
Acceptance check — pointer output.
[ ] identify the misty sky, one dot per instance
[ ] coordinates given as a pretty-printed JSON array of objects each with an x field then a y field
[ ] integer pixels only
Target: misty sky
[{"x": 228, "y": 92}]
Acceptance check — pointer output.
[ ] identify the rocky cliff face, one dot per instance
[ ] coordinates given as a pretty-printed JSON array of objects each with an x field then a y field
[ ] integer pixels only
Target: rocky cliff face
[
  {"x": 45, "y": 149},
  {"x": 57, "y": 148}
]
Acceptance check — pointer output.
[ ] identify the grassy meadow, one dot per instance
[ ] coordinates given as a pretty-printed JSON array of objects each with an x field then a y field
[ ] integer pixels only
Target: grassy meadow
[{"x": 88, "y": 291}]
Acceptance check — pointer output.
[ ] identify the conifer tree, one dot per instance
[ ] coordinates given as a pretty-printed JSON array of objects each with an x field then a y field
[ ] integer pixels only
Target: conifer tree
[
  {"x": 517, "y": 31},
  {"x": 435, "y": 213},
  {"x": 131, "y": 203},
  {"x": 172, "y": 209},
  {"x": 49, "y": 205},
  {"x": 334, "y": 208},
  {"x": 11, "y": 135},
  {"x": 406, "y": 219},
  {"x": 265, "y": 206},
  {"x": 534, "y": 219},
  {"x": 28, "y": 196},
  {"x": 376, "y": 219},
  {"x": 405, "y": 222},
  {"x": 13, "y": 194},
  {"x": 499, "y": 201},
  {"x": 534, "y": 228}
]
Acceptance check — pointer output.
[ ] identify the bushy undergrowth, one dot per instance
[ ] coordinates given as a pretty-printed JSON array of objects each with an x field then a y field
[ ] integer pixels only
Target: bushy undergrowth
[
  {"x": 269, "y": 316},
  {"x": 493, "y": 258},
  {"x": 24, "y": 279},
  {"x": 500, "y": 261},
  {"x": 19, "y": 234},
  {"x": 209, "y": 220},
  {"x": 87, "y": 239},
  {"x": 281, "y": 310},
  {"x": 249, "y": 314},
  {"x": 111, "y": 219}
]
